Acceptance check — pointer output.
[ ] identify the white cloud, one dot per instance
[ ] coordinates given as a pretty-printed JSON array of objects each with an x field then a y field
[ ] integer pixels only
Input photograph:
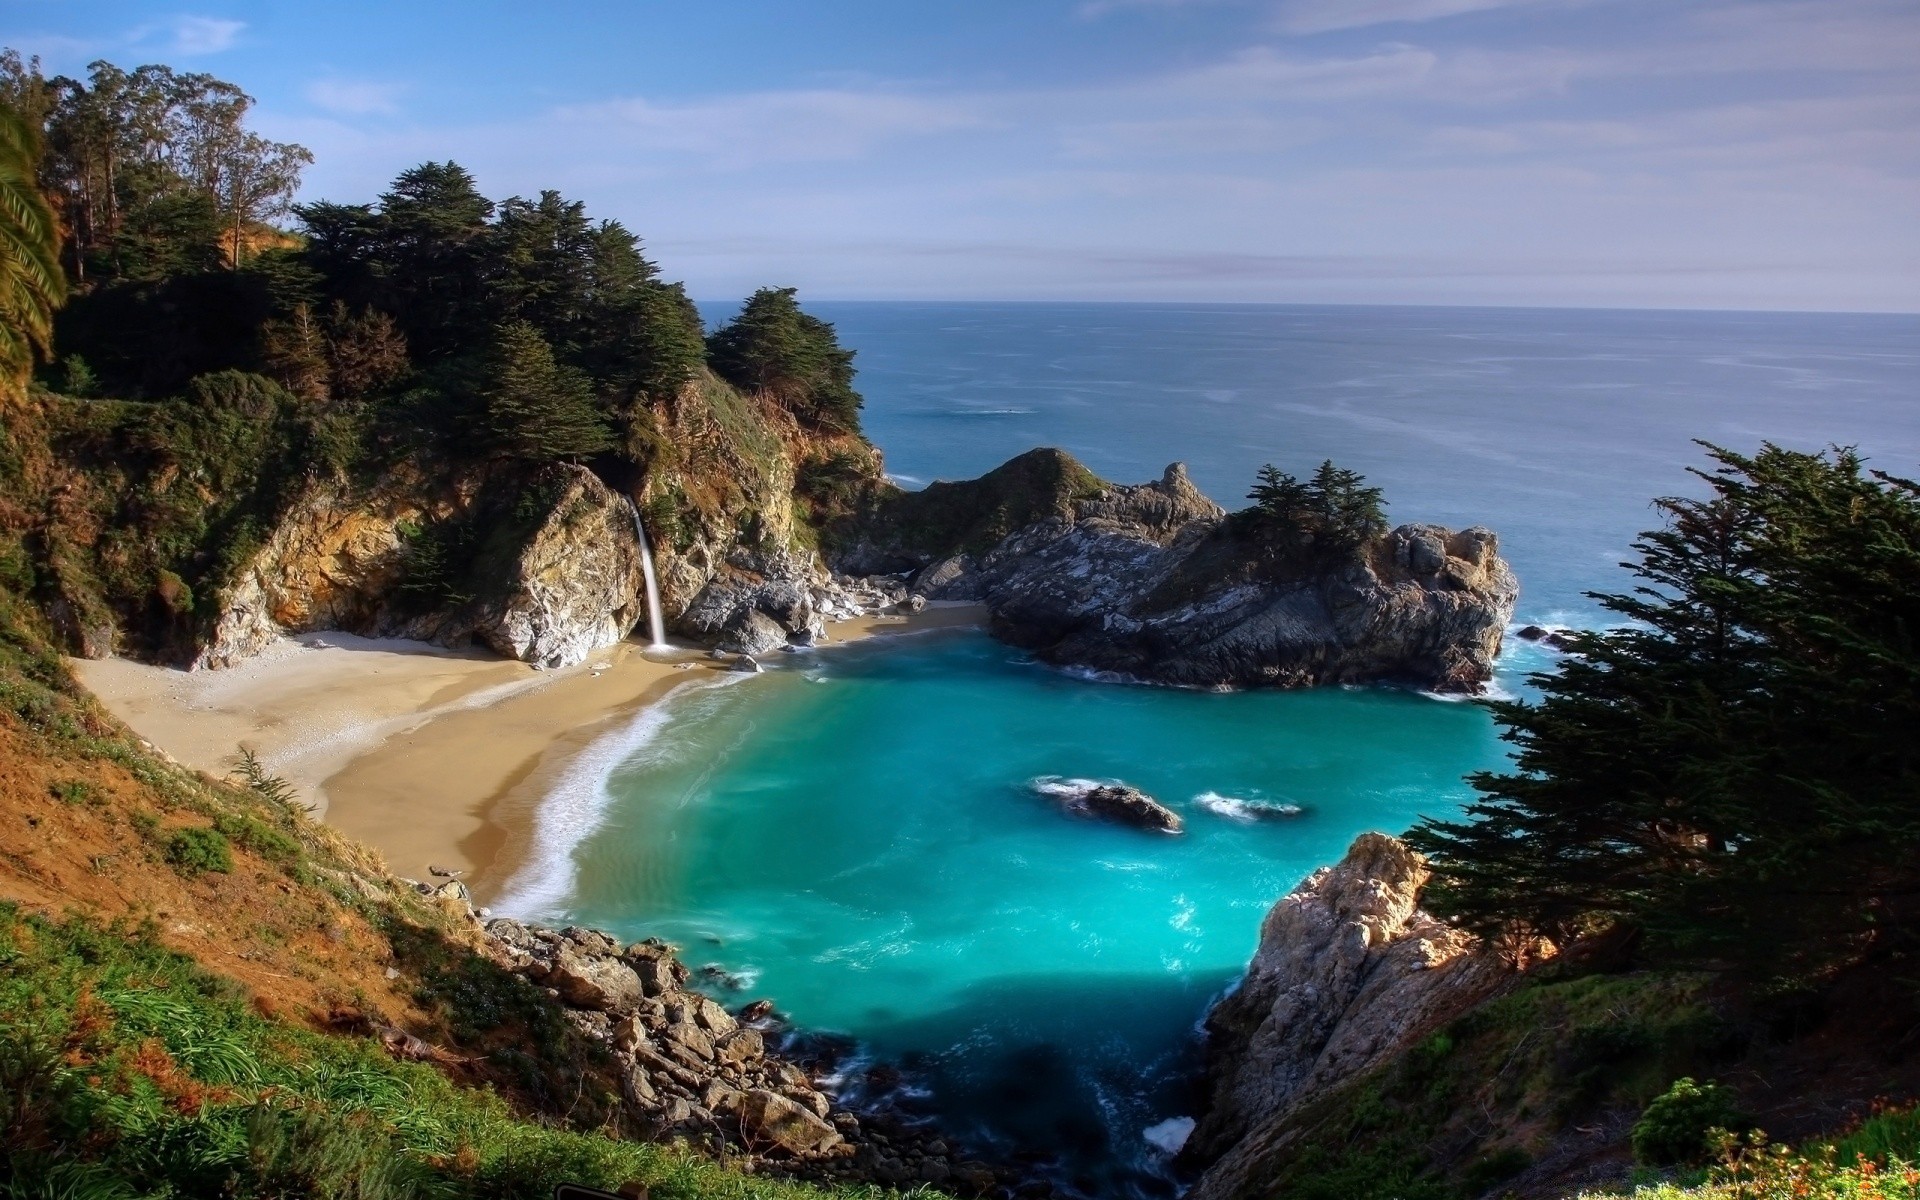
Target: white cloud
[
  {"x": 202, "y": 35},
  {"x": 1323, "y": 16},
  {"x": 760, "y": 127},
  {"x": 355, "y": 97}
]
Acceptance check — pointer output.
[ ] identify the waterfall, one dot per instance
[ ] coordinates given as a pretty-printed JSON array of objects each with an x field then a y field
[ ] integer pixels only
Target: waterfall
[{"x": 656, "y": 626}]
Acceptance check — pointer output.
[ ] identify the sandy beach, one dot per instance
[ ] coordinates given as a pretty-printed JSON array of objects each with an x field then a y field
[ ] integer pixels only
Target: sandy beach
[{"x": 435, "y": 757}]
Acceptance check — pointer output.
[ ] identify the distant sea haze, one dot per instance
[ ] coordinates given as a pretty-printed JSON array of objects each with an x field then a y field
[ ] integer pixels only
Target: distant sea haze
[{"x": 866, "y": 834}]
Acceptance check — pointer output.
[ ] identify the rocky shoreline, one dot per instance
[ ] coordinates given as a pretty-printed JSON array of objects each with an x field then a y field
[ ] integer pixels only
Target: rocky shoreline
[{"x": 741, "y": 1084}]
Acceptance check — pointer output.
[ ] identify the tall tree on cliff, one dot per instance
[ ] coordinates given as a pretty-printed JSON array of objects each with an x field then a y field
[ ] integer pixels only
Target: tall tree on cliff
[
  {"x": 32, "y": 284},
  {"x": 537, "y": 408},
  {"x": 775, "y": 348},
  {"x": 1734, "y": 772}
]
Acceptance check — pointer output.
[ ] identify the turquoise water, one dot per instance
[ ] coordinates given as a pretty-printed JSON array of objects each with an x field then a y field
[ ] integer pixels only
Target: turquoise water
[{"x": 854, "y": 834}]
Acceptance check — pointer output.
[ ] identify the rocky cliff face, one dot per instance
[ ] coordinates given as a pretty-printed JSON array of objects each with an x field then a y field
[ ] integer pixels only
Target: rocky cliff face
[
  {"x": 1158, "y": 583},
  {"x": 1349, "y": 973},
  {"x": 565, "y": 586}
]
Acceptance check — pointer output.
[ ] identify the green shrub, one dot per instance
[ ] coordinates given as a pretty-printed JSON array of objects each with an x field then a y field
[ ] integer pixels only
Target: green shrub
[
  {"x": 1675, "y": 1128},
  {"x": 263, "y": 839},
  {"x": 197, "y": 850},
  {"x": 72, "y": 791}
]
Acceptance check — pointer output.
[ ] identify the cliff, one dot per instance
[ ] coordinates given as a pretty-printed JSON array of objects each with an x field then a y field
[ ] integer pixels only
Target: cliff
[
  {"x": 1156, "y": 582},
  {"x": 1349, "y": 973},
  {"x": 561, "y": 576}
]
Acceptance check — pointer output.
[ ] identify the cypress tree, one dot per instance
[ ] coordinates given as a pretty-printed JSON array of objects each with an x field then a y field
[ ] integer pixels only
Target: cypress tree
[
  {"x": 774, "y": 348},
  {"x": 1733, "y": 772},
  {"x": 536, "y": 408}
]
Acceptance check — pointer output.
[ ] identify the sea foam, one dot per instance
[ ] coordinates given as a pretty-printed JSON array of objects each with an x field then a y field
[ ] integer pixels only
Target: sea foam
[
  {"x": 577, "y": 803},
  {"x": 1236, "y": 808}
]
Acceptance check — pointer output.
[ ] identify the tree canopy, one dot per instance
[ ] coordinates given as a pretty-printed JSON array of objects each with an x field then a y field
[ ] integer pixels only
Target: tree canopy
[
  {"x": 775, "y": 348},
  {"x": 1733, "y": 772},
  {"x": 32, "y": 284},
  {"x": 1334, "y": 509}
]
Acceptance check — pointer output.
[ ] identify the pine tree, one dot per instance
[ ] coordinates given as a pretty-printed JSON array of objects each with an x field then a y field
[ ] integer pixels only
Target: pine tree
[
  {"x": 775, "y": 348},
  {"x": 537, "y": 408},
  {"x": 1733, "y": 773},
  {"x": 1278, "y": 496},
  {"x": 1347, "y": 512}
]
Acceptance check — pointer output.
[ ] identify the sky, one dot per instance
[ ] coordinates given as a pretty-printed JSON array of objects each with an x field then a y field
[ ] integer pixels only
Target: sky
[{"x": 1610, "y": 153}]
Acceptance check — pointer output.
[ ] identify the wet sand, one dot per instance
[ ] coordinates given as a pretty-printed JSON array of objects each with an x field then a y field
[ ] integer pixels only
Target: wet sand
[{"x": 434, "y": 757}]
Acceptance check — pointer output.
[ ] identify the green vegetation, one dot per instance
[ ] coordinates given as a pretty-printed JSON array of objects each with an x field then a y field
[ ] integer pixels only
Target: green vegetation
[
  {"x": 1473, "y": 1104},
  {"x": 127, "y": 1072},
  {"x": 1335, "y": 511},
  {"x": 1733, "y": 775},
  {"x": 194, "y": 851},
  {"x": 536, "y": 408},
  {"x": 774, "y": 348},
  {"x": 31, "y": 282},
  {"x": 1878, "y": 1161},
  {"x": 973, "y": 515},
  {"x": 1680, "y": 1125}
]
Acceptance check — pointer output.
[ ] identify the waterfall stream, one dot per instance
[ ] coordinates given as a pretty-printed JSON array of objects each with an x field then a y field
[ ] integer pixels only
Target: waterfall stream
[{"x": 656, "y": 625}]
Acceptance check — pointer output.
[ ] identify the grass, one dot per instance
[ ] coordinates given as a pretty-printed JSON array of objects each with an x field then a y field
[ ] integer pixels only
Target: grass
[
  {"x": 1466, "y": 1110},
  {"x": 126, "y": 1070}
]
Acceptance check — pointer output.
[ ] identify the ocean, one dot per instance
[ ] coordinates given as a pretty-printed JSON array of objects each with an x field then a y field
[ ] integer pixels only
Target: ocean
[{"x": 863, "y": 833}]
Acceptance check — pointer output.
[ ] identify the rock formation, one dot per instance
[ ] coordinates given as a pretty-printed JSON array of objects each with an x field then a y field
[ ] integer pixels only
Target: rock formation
[
  {"x": 568, "y": 586},
  {"x": 1349, "y": 972},
  {"x": 1116, "y": 802},
  {"x": 690, "y": 1068},
  {"x": 1156, "y": 582}
]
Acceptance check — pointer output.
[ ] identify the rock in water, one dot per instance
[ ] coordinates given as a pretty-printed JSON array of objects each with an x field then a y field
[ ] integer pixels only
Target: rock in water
[
  {"x": 1350, "y": 971},
  {"x": 1131, "y": 806},
  {"x": 1111, "y": 802},
  {"x": 1159, "y": 583}
]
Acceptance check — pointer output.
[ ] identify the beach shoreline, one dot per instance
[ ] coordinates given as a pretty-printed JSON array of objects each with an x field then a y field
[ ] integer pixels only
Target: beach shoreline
[{"x": 436, "y": 758}]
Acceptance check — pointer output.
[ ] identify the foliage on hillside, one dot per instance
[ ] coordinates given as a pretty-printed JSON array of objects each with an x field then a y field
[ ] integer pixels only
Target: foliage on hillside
[
  {"x": 1733, "y": 773},
  {"x": 1878, "y": 1161},
  {"x": 435, "y": 335},
  {"x": 196, "y": 980}
]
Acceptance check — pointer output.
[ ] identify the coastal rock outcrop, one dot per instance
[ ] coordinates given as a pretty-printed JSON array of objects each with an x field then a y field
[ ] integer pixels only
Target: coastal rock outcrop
[
  {"x": 689, "y": 1068},
  {"x": 1116, "y": 802},
  {"x": 1350, "y": 971},
  {"x": 1156, "y": 582},
  {"x": 551, "y": 590}
]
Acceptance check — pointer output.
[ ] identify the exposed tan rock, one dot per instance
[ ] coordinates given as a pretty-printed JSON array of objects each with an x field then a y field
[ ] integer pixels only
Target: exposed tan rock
[
  {"x": 776, "y": 1119},
  {"x": 601, "y": 984},
  {"x": 1349, "y": 972}
]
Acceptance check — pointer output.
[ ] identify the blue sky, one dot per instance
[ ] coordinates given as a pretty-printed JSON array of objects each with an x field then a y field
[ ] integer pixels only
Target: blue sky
[{"x": 1692, "y": 153}]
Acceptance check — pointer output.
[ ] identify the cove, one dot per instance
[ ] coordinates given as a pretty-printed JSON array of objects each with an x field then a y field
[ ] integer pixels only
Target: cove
[{"x": 855, "y": 836}]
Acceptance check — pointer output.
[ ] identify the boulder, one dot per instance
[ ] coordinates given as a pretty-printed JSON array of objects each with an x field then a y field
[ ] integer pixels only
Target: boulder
[
  {"x": 603, "y": 984},
  {"x": 741, "y": 1046},
  {"x": 655, "y": 975},
  {"x": 711, "y": 1017},
  {"x": 771, "y": 1117},
  {"x": 688, "y": 1043},
  {"x": 1131, "y": 806},
  {"x": 752, "y": 632}
]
